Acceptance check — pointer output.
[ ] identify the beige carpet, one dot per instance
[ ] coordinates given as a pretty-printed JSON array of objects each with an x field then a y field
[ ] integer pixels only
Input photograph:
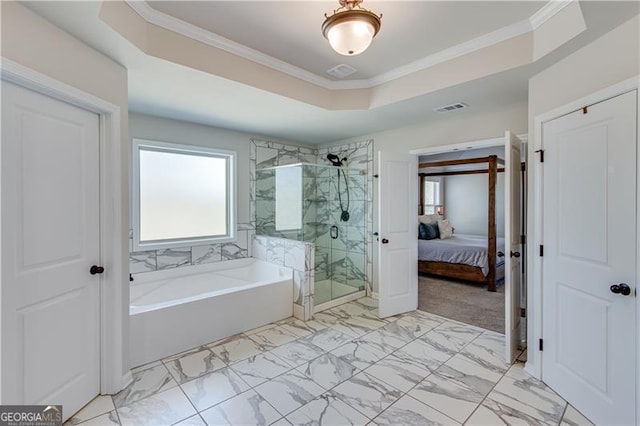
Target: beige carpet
[{"x": 468, "y": 303}]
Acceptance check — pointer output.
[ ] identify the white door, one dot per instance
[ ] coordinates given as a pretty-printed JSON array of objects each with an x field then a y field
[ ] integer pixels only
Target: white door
[
  {"x": 398, "y": 229},
  {"x": 589, "y": 332},
  {"x": 512, "y": 241},
  {"x": 50, "y": 239}
]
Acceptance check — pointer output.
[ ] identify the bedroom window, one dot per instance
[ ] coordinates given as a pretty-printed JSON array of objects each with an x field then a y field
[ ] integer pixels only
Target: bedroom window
[
  {"x": 432, "y": 195},
  {"x": 182, "y": 195}
]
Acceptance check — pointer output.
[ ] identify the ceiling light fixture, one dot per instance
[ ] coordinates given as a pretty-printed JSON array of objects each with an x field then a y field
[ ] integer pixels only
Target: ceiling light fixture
[{"x": 351, "y": 28}]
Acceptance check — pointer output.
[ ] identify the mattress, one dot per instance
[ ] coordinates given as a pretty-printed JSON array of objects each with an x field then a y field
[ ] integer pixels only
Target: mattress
[{"x": 460, "y": 248}]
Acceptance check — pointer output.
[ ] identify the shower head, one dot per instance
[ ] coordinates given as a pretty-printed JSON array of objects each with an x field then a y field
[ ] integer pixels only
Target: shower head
[{"x": 335, "y": 160}]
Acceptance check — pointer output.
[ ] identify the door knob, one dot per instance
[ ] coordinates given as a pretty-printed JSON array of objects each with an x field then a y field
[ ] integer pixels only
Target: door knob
[
  {"x": 515, "y": 254},
  {"x": 95, "y": 269},
  {"x": 385, "y": 241},
  {"x": 621, "y": 288}
]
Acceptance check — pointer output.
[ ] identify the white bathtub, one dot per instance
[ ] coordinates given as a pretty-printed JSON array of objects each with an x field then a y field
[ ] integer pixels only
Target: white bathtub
[{"x": 178, "y": 309}]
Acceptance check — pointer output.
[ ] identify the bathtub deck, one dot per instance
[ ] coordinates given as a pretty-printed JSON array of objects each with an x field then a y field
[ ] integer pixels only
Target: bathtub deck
[{"x": 345, "y": 366}]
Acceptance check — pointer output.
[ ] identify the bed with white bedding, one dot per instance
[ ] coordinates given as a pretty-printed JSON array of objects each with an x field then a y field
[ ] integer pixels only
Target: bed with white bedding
[{"x": 462, "y": 256}]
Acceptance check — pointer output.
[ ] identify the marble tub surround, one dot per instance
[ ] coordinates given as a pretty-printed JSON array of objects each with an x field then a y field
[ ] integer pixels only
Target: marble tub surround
[
  {"x": 327, "y": 376},
  {"x": 156, "y": 260},
  {"x": 297, "y": 255}
]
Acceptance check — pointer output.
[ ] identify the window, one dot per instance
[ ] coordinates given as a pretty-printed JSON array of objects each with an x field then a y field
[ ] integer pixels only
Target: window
[
  {"x": 182, "y": 195},
  {"x": 432, "y": 195},
  {"x": 288, "y": 198}
]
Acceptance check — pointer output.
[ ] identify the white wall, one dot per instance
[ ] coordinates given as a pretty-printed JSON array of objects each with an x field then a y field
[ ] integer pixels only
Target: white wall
[
  {"x": 466, "y": 203},
  {"x": 37, "y": 44},
  {"x": 612, "y": 58}
]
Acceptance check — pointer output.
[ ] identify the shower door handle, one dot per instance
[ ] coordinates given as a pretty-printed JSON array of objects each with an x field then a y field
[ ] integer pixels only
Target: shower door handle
[{"x": 384, "y": 241}]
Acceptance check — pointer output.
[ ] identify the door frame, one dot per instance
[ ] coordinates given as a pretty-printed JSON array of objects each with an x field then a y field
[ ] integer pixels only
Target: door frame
[
  {"x": 479, "y": 144},
  {"x": 114, "y": 291},
  {"x": 535, "y": 212}
]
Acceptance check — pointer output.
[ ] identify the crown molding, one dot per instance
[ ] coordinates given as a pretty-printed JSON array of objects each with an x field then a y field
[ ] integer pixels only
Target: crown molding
[
  {"x": 194, "y": 32},
  {"x": 548, "y": 11},
  {"x": 168, "y": 22}
]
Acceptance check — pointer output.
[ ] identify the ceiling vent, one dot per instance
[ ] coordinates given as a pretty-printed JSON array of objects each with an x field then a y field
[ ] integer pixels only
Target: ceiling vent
[
  {"x": 341, "y": 71},
  {"x": 452, "y": 107}
]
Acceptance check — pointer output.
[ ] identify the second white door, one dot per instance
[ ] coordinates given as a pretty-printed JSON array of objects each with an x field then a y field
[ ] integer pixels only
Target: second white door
[{"x": 589, "y": 259}]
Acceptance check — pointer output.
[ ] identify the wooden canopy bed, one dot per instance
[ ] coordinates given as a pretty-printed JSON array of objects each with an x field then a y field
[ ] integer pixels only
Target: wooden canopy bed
[{"x": 464, "y": 271}]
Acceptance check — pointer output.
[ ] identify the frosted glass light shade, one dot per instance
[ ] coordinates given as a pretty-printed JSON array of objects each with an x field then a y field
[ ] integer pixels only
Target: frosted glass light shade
[
  {"x": 351, "y": 38},
  {"x": 350, "y": 32}
]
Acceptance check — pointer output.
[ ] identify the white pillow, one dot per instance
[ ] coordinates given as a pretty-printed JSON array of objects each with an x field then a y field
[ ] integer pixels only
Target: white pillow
[
  {"x": 429, "y": 218},
  {"x": 445, "y": 228}
]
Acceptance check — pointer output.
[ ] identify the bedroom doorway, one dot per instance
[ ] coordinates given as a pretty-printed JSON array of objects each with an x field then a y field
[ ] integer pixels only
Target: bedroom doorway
[{"x": 465, "y": 219}]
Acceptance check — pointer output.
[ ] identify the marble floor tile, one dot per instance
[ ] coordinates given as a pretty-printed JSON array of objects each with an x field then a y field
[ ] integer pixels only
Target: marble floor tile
[
  {"x": 164, "y": 408},
  {"x": 236, "y": 348},
  {"x": 301, "y": 328},
  {"x": 289, "y": 391},
  {"x": 297, "y": 352},
  {"x": 328, "y": 370},
  {"x": 144, "y": 384},
  {"x": 192, "y": 421},
  {"x": 460, "y": 333},
  {"x": 395, "y": 334},
  {"x": 492, "y": 412},
  {"x": 429, "y": 352},
  {"x": 399, "y": 371},
  {"x": 350, "y": 309},
  {"x": 248, "y": 408},
  {"x": 467, "y": 373},
  {"x": 487, "y": 353},
  {"x": 106, "y": 419},
  {"x": 573, "y": 417},
  {"x": 328, "y": 318},
  {"x": 260, "y": 368},
  {"x": 327, "y": 410},
  {"x": 281, "y": 422},
  {"x": 425, "y": 324},
  {"x": 453, "y": 398},
  {"x": 368, "y": 395},
  {"x": 360, "y": 353},
  {"x": 328, "y": 339},
  {"x": 261, "y": 328},
  {"x": 99, "y": 405},
  {"x": 193, "y": 365},
  {"x": 409, "y": 411},
  {"x": 358, "y": 326},
  {"x": 532, "y": 393},
  {"x": 214, "y": 388},
  {"x": 485, "y": 416},
  {"x": 426, "y": 316},
  {"x": 272, "y": 337}
]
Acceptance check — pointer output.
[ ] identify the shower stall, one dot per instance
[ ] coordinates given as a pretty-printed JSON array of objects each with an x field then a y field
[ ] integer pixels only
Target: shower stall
[{"x": 324, "y": 205}]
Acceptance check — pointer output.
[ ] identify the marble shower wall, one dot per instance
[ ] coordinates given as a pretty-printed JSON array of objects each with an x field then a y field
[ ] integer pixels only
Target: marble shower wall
[
  {"x": 155, "y": 260},
  {"x": 359, "y": 156},
  {"x": 352, "y": 257},
  {"x": 297, "y": 255}
]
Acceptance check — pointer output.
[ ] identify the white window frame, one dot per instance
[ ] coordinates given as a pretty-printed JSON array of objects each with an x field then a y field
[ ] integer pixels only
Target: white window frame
[
  {"x": 440, "y": 200},
  {"x": 230, "y": 156}
]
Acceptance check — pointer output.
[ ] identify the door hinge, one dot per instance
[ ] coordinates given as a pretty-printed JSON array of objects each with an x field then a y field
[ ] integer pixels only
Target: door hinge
[
  {"x": 523, "y": 312},
  {"x": 541, "y": 151},
  {"x": 376, "y": 176},
  {"x": 585, "y": 110},
  {"x": 541, "y": 250},
  {"x": 523, "y": 167},
  {"x": 540, "y": 344},
  {"x": 523, "y": 239}
]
